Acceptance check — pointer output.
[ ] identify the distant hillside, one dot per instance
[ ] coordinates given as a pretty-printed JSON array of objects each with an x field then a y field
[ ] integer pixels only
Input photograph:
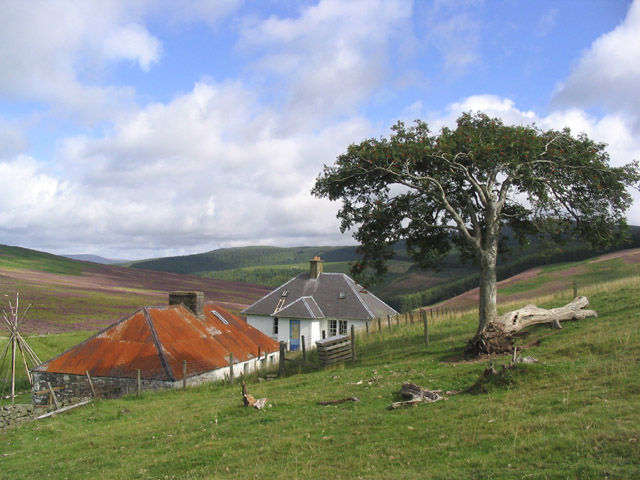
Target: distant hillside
[
  {"x": 72, "y": 295},
  {"x": 234, "y": 258},
  {"x": 95, "y": 259},
  {"x": 405, "y": 287}
]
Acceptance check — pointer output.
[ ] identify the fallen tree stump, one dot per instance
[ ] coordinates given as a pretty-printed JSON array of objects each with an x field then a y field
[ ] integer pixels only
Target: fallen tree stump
[
  {"x": 497, "y": 337},
  {"x": 415, "y": 395},
  {"x": 249, "y": 400}
]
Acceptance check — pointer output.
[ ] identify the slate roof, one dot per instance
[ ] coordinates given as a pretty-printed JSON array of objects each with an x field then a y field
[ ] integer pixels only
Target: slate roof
[
  {"x": 156, "y": 340},
  {"x": 331, "y": 295}
]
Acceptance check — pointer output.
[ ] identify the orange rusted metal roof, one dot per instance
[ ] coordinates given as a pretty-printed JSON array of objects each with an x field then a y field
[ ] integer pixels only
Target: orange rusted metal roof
[{"x": 157, "y": 340}]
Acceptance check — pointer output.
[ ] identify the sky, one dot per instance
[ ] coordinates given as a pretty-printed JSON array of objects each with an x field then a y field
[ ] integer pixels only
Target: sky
[{"x": 153, "y": 128}]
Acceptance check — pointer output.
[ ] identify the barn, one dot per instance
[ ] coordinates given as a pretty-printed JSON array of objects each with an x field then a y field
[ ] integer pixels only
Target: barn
[{"x": 157, "y": 345}]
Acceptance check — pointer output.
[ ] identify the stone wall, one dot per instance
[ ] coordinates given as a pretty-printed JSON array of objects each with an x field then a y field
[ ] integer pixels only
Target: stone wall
[
  {"x": 14, "y": 415},
  {"x": 70, "y": 388}
]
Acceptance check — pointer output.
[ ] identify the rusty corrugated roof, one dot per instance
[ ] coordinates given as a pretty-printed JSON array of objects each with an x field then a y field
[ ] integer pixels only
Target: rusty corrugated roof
[{"x": 157, "y": 340}]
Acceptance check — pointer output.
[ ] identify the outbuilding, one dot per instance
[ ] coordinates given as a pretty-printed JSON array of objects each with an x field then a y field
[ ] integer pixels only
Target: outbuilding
[{"x": 158, "y": 345}]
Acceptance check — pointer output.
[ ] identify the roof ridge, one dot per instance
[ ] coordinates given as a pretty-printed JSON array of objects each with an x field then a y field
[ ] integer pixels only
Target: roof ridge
[
  {"x": 272, "y": 292},
  {"x": 358, "y": 296},
  {"x": 156, "y": 342}
]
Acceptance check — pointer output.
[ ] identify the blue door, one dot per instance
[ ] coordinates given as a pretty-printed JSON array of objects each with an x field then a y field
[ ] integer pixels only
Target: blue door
[{"x": 294, "y": 334}]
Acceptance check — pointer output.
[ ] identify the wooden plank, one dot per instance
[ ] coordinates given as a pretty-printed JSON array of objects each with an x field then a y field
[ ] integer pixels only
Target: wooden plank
[
  {"x": 79, "y": 404},
  {"x": 93, "y": 390}
]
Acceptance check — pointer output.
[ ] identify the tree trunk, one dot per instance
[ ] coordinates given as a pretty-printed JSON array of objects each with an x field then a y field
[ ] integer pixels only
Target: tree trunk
[{"x": 488, "y": 290}]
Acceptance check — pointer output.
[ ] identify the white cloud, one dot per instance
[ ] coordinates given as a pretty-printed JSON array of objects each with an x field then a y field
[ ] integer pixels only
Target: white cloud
[
  {"x": 608, "y": 74},
  {"x": 454, "y": 29},
  {"x": 329, "y": 58},
  {"x": 133, "y": 42},
  {"x": 56, "y": 53},
  {"x": 13, "y": 139},
  {"x": 200, "y": 172}
]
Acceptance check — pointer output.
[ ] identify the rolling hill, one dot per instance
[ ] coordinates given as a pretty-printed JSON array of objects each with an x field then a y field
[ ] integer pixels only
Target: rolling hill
[
  {"x": 405, "y": 287},
  {"x": 74, "y": 295}
]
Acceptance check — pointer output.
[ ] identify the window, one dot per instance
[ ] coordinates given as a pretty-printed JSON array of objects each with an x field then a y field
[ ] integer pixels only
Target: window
[
  {"x": 333, "y": 327},
  {"x": 342, "y": 327},
  {"x": 342, "y": 295},
  {"x": 222, "y": 319},
  {"x": 337, "y": 327},
  {"x": 285, "y": 293},
  {"x": 275, "y": 326}
]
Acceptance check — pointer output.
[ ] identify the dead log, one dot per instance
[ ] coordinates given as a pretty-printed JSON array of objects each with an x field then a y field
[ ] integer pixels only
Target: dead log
[
  {"x": 415, "y": 395},
  {"x": 515, "y": 321},
  {"x": 497, "y": 337}
]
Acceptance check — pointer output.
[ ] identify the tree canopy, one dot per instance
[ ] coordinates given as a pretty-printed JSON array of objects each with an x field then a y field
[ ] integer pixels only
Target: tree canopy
[{"x": 463, "y": 186}]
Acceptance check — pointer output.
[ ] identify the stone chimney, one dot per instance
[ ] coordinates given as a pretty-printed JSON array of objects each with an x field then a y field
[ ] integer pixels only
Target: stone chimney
[
  {"x": 315, "y": 268},
  {"x": 194, "y": 301}
]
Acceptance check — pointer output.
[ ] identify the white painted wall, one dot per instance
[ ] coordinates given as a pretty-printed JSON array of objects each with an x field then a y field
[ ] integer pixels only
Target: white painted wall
[
  {"x": 239, "y": 369},
  {"x": 311, "y": 329}
]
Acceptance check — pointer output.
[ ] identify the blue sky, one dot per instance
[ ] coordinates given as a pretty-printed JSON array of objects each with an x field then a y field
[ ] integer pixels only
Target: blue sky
[{"x": 136, "y": 129}]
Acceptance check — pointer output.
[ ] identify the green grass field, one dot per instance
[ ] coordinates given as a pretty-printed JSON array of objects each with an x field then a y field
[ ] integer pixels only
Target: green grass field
[{"x": 572, "y": 415}]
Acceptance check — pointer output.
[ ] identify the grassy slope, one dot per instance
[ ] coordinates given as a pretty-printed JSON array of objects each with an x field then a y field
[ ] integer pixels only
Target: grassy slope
[
  {"x": 573, "y": 415},
  {"x": 71, "y": 295}
]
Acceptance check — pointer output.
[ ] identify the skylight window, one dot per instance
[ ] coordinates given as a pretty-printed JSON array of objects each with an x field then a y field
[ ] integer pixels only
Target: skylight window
[
  {"x": 342, "y": 295},
  {"x": 285, "y": 293},
  {"x": 222, "y": 319}
]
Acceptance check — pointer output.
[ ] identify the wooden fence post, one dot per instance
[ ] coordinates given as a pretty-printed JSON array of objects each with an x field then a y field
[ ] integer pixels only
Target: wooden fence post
[
  {"x": 231, "y": 368},
  {"x": 426, "y": 328},
  {"x": 389, "y": 322},
  {"x": 138, "y": 383},
  {"x": 304, "y": 348},
  {"x": 366, "y": 324},
  {"x": 282, "y": 356},
  {"x": 184, "y": 374},
  {"x": 379, "y": 324},
  {"x": 575, "y": 289},
  {"x": 353, "y": 343}
]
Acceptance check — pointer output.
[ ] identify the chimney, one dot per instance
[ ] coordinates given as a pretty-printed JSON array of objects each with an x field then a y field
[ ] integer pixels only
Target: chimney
[
  {"x": 194, "y": 301},
  {"x": 315, "y": 267}
]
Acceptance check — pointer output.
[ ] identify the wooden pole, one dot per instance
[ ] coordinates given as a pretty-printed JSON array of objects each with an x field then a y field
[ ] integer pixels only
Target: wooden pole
[
  {"x": 13, "y": 369},
  {"x": 138, "y": 383},
  {"x": 426, "y": 328},
  {"x": 379, "y": 324},
  {"x": 184, "y": 373},
  {"x": 304, "y": 348},
  {"x": 282, "y": 356},
  {"x": 353, "y": 342},
  {"x": 366, "y": 324},
  {"x": 389, "y": 322},
  {"x": 93, "y": 390},
  {"x": 231, "y": 368},
  {"x": 53, "y": 395}
]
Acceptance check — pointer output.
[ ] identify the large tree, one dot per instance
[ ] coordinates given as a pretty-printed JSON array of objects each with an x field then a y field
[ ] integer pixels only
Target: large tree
[{"x": 465, "y": 185}]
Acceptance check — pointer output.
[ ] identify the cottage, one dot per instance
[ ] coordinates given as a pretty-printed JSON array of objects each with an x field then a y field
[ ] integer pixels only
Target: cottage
[
  {"x": 313, "y": 302},
  {"x": 157, "y": 341}
]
